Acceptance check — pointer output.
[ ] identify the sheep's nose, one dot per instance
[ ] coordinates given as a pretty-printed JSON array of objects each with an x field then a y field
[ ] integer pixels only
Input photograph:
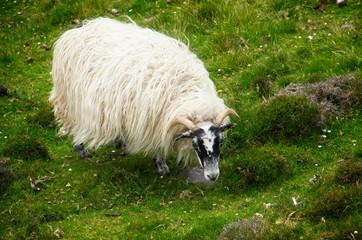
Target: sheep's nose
[{"x": 213, "y": 177}]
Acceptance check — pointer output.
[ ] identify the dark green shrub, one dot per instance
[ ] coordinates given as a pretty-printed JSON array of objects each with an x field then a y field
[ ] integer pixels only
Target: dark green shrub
[
  {"x": 258, "y": 167},
  {"x": 334, "y": 202},
  {"x": 26, "y": 147},
  {"x": 287, "y": 119},
  {"x": 349, "y": 172}
]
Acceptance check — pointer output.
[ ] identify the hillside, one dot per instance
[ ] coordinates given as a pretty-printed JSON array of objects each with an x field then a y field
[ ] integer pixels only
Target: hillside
[{"x": 292, "y": 169}]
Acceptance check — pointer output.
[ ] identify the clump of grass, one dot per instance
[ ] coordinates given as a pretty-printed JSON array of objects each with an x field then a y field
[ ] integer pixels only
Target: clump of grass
[
  {"x": 43, "y": 116},
  {"x": 287, "y": 119},
  {"x": 6, "y": 177},
  {"x": 26, "y": 147}
]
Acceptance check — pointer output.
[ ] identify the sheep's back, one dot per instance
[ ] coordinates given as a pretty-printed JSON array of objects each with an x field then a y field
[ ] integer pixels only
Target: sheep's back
[{"x": 115, "y": 80}]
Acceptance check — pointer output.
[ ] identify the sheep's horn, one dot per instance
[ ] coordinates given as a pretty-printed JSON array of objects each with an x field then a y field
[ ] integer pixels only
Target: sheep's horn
[
  {"x": 224, "y": 114},
  {"x": 184, "y": 121}
]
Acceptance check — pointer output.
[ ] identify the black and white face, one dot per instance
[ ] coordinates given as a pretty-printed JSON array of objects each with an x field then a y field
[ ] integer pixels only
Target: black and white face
[{"x": 207, "y": 141}]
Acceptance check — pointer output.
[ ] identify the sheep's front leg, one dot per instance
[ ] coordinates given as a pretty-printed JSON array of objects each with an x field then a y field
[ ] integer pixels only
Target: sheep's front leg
[
  {"x": 83, "y": 152},
  {"x": 162, "y": 167}
]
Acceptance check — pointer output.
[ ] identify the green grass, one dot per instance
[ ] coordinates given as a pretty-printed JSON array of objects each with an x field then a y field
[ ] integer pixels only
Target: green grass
[{"x": 252, "y": 49}]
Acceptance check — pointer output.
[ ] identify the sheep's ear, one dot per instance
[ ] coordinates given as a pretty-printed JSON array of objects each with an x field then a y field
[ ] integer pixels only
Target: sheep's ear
[
  {"x": 188, "y": 134},
  {"x": 227, "y": 126}
]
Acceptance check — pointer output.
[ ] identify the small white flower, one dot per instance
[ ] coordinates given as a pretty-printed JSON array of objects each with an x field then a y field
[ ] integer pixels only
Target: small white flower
[
  {"x": 329, "y": 131},
  {"x": 319, "y": 146},
  {"x": 324, "y": 136},
  {"x": 310, "y": 37}
]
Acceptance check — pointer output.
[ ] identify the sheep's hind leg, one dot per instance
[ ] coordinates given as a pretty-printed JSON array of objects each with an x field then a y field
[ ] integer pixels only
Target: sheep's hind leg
[
  {"x": 121, "y": 146},
  {"x": 83, "y": 152},
  {"x": 162, "y": 167}
]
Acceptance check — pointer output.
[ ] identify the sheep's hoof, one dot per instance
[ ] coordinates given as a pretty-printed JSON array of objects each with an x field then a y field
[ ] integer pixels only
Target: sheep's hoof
[
  {"x": 83, "y": 152},
  {"x": 162, "y": 168}
]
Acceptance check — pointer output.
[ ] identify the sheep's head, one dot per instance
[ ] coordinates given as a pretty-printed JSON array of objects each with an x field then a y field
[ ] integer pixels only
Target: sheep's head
[{"x": 207, "y": 141}]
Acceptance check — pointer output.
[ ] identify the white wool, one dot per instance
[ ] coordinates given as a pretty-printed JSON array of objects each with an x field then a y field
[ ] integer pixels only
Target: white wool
[{"x": 116, "y": 80}]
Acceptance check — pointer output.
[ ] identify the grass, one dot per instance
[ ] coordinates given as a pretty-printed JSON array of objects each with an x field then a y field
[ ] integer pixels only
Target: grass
[{"x": 252, "y": 49}]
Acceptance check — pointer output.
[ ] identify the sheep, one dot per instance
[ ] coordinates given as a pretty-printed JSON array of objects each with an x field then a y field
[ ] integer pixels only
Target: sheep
[{"x": 115, "y": 81}]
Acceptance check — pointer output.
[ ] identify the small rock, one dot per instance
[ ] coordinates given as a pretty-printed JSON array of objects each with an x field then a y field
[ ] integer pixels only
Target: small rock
[
  {"x": 314, "y": 179},
  {"x": 114, "y": 11},
  {"x": 347, "y": 26},
  {"x": 186, "y": 194},
  {"x": 115, "y": 214},
  {"x": 29, "y": 59},
  {"x": 58, "y": 233},
  {"x": 75, "y": 22},
  {"x": 221, "y": 71},
  {"x": 46, "y": 47}
]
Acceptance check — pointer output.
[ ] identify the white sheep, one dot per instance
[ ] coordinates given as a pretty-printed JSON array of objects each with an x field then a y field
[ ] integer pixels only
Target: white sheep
[{"x": 117, "y": 81}]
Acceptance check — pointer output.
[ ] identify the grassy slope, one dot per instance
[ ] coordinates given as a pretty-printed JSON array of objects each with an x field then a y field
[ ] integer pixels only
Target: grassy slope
[{"x": 247, "y": 39}]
